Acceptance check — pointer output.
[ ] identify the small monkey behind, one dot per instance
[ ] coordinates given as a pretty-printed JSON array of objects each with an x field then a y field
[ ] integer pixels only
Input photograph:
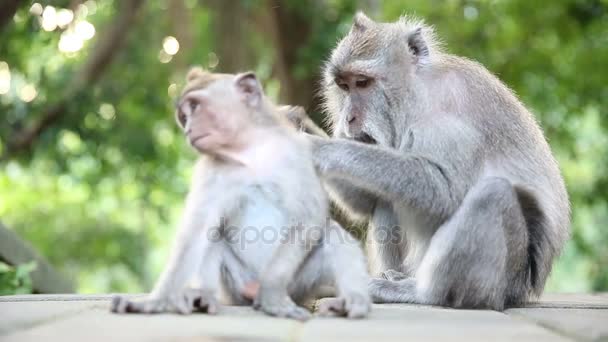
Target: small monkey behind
[{"x": 256, "y": 212}]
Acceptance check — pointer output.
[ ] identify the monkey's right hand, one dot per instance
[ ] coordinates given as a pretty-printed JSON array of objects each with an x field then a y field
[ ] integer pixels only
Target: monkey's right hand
[
  {"x": 295, "y": 114},
  {"x": 185, "y": 302},
  {"x": 279, "y": 304}
]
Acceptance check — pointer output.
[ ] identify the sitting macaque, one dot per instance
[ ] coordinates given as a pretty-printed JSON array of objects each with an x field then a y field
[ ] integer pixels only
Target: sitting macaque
[{"x": 256, "y": 220}]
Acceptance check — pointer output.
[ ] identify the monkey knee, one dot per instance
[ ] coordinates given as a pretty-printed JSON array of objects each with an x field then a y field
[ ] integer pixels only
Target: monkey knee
[
  {"x": 492, "y": 196},
  {"x": 493, "y": 187}
]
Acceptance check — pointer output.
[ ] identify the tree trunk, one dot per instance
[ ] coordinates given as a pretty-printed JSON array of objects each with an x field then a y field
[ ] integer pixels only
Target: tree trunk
[
  {"x": 8, "y": 8},
  {"x": 230, "y": 22},
  {"x": 288, "y": 31}
]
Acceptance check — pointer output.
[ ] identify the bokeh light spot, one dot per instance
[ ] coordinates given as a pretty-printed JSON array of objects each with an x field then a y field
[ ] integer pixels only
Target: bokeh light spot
[
  {"x": 49, "y": 18},
  {"x": 28, "y": 93},
  {"x": 5, "y": 78},
  {"x": 170, "y": 45}
]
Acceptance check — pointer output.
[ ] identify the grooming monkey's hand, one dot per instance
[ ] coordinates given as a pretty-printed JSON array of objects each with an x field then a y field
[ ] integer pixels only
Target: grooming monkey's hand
[
  {"x": 276, "y": 303},
  {"x": 185, "y": 302},
  {"x": 322, "y": 153},
  {"x": 295, "y": 114}
]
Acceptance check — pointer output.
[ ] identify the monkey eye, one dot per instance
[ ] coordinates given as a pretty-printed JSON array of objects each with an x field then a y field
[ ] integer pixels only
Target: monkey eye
[
  {"x": 341, "y": 84},
  {"x": 362, "y": 82},
  {"x": 193, "y": 105},
  {"x": 181, "y": 117}
]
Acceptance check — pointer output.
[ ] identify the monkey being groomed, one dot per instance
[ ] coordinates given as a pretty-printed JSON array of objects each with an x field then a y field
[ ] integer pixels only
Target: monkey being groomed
[{"x": 256, "y": 213}]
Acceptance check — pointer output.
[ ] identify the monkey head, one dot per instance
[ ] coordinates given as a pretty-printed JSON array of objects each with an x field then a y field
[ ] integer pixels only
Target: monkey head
[
  {"x": 218, "y": 111},
  {"x": 365, "y": 77}
]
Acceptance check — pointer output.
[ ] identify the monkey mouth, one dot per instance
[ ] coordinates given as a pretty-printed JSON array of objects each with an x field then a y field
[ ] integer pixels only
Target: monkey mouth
[
  {"x": 197, "y": 138},
  {"x": 365, "y": 138}
]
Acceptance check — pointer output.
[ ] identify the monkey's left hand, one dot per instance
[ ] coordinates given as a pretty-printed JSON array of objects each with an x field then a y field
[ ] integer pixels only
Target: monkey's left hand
[{"x": 185, "y": 302}]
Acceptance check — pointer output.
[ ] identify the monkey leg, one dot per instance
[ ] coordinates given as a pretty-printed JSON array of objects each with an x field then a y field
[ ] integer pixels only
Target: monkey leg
[
  {"x": 386, "y": 242},
  {"x": 471, "y": 257},
  {"x": 274, "y": 295},
  {"x": 345, "y": 264}
]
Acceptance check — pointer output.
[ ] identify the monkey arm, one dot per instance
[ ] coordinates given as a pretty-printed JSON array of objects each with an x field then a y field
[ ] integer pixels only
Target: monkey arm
[
  {"x": 195, "y": 242},
  {"x": 416, "y": 179},
  {"x": 355, "y": 200},
  {"x": 186, "y": 254}
]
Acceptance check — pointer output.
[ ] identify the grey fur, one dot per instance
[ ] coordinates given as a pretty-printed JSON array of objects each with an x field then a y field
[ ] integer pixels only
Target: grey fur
[
  {"x": 458, "y": 163},
  {"x": 271, "y": 190}
]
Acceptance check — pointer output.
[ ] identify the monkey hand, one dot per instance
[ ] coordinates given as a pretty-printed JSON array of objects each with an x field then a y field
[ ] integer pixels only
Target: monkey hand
[
  {"x": 352, "y": 306},
  {"x": 279, "y": 304},
  {"x": 323, "y": 154},
  {"x": 184, "y": 302},
  {"x": 295, "y": 114}
]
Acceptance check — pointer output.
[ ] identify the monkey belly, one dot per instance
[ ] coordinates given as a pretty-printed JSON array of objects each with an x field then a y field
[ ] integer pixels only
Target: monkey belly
[{"x": 256, "y": 231}]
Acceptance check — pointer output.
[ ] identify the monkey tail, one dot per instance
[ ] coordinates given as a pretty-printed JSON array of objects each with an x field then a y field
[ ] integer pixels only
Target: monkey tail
[{"x": 543, "y": 246}]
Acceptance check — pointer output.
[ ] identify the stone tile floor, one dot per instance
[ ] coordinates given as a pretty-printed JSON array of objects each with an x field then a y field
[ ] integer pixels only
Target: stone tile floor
[{"x": 556, "y": 317}]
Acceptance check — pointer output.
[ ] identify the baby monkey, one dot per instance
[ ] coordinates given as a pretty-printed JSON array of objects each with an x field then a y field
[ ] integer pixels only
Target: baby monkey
[{"x": 256, "y": 213}]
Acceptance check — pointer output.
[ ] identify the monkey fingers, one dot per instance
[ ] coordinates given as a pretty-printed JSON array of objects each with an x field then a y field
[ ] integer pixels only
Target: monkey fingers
[
  {"x": 330, "y": 307},
  {"x": 393, "y": 275},
  {"x": 121, "y": 304},
  {"x": 201, "y": 300},
  {"x": 182, "y": 303},
  {"x": 353, "y": 306}
]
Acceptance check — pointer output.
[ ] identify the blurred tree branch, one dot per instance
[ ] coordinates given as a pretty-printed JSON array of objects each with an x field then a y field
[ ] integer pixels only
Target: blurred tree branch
[
  {"x": 101, "y": 57},
  {"x": 8, "y": 8}
]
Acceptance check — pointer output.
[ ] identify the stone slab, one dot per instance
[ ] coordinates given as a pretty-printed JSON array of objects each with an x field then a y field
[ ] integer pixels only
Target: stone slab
[
  {"x": 400, "y": 322},
  {"x": 78, "y": 318},
  {"x": 98, "y": 324},
  {"x": 572, "y": 300},
  {"x": 587, "y": 324}
]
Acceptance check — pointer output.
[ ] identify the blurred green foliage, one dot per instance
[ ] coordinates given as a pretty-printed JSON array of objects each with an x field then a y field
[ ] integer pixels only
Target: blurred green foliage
[
  {"x": 16, "y": 279},
  {"x": 102, "y": 187}
]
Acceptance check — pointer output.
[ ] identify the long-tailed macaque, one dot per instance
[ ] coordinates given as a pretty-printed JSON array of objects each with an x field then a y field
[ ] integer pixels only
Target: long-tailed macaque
[
  {"x": 466, "y": 205},
  {"x": 256, "y": 213}
]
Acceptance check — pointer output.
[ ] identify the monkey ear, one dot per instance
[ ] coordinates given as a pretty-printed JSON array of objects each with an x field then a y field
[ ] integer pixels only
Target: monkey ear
[
  {"x": 361, "y": 22},
  {"x": 248, "y": 85},
  {"x": 417, "y": 44}
]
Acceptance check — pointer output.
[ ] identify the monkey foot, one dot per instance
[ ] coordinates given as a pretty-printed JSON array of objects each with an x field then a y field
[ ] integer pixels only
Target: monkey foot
[
  {"x": 281, "y": 307},
  {"x": 393, "y": 275},
  {"x": 184, "y": 303},
  {"x": 353, "y": 306}
]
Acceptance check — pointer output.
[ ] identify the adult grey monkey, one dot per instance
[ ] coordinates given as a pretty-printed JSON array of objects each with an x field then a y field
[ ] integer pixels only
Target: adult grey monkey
[{"x": 466, "y": 205}]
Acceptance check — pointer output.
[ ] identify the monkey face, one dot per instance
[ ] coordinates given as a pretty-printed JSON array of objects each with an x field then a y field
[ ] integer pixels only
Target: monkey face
[
  {"x": 369, "y": 76},
  {"x": 355, "y": 85},
  {"x": 217, "y": 115}
]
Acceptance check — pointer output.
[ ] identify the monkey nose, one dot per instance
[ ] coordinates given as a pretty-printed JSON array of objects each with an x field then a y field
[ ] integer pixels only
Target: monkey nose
[{"x": 351, "y": 118}]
